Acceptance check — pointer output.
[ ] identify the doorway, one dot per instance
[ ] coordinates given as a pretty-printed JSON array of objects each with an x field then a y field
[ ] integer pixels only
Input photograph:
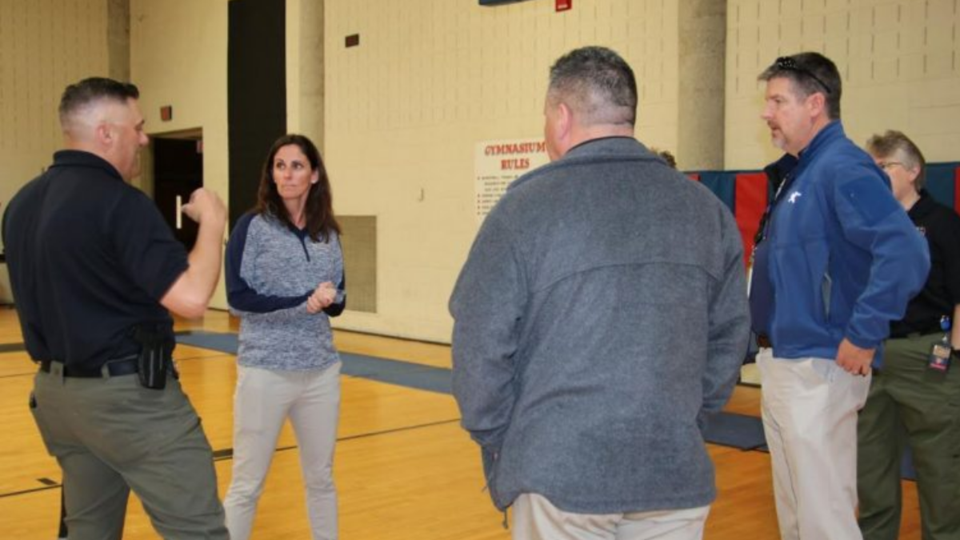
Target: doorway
[{"x": 177, "y": 172}]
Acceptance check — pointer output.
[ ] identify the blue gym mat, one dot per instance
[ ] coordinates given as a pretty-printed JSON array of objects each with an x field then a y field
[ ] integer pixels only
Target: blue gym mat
[
  {"x": 737, "y": 431},
  {"x": 421, "y": 377},
  {"x": 726, "y": 429}
]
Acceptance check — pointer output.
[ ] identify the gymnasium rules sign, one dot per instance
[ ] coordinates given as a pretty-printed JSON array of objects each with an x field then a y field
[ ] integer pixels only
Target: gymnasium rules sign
[{"x": 499, "y": 163}]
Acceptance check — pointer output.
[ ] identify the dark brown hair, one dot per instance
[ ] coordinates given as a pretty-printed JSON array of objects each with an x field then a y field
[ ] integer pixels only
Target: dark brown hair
[
  {"x": 810, "y": 72},
  {"x": 319, "y": 207},
  {"x": 666, "y": 156}
]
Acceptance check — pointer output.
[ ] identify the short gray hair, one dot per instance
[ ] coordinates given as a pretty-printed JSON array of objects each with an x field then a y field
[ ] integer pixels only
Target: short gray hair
[
  {"x": 598, "y": 84},
  {"x": 884, "y": 146},
  {"x": 87, "y": 91}
]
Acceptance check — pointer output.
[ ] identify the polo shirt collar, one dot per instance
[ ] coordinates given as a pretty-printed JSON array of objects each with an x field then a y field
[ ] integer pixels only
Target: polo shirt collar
[
  {"x": 924, "y": 206},
  {"x": 80, "y": 158}
]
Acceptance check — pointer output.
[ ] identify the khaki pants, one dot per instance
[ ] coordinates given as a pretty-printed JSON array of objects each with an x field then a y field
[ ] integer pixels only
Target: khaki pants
[
  {"x": 809, "y": 409},
  {"x": 535, "y": 518},
  {"x": 910, "y": 402},
  {"x": 264, "y": 400},
  {"x": 111, "y": 435}
]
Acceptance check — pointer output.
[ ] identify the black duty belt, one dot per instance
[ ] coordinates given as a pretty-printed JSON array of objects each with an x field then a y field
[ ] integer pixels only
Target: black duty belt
[
  {"x": 115, "y": 368},
  {"x": 763, "y": 341}
]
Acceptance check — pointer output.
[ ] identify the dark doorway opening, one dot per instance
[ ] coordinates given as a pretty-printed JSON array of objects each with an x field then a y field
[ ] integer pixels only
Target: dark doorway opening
[
  {"x": 256, "y": 93},
  {"x": 178, "y": 171}
]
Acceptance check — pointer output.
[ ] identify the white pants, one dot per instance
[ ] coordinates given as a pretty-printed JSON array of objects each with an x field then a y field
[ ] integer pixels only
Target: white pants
[
  {"x": 264, "y": 399},
  {"x": 535, "y": 518},
  {"x": 809, "y": 409}
]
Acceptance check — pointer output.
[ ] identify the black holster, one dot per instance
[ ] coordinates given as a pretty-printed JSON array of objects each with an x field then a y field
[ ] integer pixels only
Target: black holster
[{"x": 156, "y": 348}]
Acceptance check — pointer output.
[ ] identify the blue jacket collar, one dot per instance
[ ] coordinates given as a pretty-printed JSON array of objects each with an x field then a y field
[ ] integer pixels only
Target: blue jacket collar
[{"x": 832, "y": 132}]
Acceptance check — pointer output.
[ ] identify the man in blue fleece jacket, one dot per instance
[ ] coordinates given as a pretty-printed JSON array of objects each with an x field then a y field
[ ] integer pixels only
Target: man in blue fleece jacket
[
  {"x": 838, "y": 260},
  {"x": 600, "y": 318}
]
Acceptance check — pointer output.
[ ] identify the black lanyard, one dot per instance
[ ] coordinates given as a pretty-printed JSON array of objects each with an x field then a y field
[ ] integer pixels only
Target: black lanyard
[{"x": 768, "y": 213}]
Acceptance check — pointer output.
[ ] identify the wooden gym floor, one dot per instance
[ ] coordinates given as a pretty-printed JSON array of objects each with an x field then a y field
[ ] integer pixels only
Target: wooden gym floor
[{"x": 404, "y": 469}]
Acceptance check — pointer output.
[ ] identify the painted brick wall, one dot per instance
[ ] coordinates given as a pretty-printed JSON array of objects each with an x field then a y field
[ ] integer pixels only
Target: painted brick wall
[
  {"x": 429, "y": 80},
  {"x": 899, "y": 60},
  {"x": 44, "y": 45}
]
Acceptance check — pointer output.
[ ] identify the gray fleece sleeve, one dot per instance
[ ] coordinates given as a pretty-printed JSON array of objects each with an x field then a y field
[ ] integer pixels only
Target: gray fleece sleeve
[
  {"x": 487, "y": 305},
  {"x": 729, "y": 324}
]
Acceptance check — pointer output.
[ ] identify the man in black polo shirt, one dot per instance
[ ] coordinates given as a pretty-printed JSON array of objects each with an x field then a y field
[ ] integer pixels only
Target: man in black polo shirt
[
  {"x": 94, "y": 269},
  {"x": 906, "y": 394}
]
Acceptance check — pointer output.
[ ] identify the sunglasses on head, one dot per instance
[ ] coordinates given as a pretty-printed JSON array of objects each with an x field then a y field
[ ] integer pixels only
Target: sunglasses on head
[{"x": 786, "y": 63}]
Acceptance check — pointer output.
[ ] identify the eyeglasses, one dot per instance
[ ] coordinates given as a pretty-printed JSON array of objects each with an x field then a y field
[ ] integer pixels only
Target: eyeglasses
[
  {"x": 888, "y": 164},
  {"x": 786, "y": 63}
]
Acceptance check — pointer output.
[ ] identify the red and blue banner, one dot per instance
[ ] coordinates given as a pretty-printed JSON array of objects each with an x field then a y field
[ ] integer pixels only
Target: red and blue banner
[{"x": 747, "y": 193}]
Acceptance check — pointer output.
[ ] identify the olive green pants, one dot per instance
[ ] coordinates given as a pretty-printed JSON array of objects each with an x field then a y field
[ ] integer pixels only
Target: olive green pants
[
  {"x": 910, "y": 403},
  {"x": 111, "y": 435}
]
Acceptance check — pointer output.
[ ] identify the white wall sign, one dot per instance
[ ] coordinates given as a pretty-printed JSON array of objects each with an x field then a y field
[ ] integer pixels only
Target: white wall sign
[{"x": 498, "y": 163}]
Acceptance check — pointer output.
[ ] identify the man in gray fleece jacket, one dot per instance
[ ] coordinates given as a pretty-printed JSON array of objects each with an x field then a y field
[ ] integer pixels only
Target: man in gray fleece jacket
[{"x": 600, "y": 318}]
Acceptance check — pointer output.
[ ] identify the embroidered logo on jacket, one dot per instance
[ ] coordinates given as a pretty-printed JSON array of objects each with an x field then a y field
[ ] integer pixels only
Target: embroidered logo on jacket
[{"x": 794, "y": 196}]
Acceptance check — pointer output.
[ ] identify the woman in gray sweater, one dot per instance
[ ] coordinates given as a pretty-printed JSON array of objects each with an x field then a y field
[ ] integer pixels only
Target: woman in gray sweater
[{"x": 284, "y": 275}]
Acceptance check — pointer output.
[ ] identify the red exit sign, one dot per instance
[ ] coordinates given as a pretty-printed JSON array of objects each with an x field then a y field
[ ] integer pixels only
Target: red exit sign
[{"x": 564, "y": 5}]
